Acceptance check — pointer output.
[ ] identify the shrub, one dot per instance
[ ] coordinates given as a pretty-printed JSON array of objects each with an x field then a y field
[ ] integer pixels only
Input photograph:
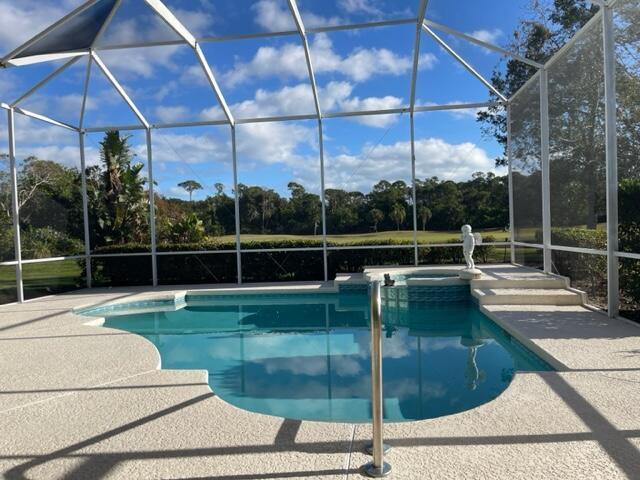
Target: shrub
[
  {"x": 7, "y": 250},
  {"x": 188, "y": 229},
  {"x": 264, "y": 266},
  {"x": 47, "y": 242},
  {"x": 630, "y": 288},
  {"x": 587, "y": 272},
  {"x": 576, "y": 237}
]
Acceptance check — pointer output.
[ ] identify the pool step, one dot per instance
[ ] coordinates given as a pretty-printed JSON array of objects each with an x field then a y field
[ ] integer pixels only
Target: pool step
[
  {"x": 546, "y": 282},
  {"x": 527, "y": 296}
]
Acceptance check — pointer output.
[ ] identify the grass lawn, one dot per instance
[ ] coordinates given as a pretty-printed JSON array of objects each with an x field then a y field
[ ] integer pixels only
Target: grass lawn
[
  {"x": 405, "y": 236},
  {"x": 41, "y": 279}
]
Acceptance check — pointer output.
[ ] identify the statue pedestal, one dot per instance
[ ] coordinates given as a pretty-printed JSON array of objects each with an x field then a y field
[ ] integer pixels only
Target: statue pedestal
[{"x": 470, "y": 274}]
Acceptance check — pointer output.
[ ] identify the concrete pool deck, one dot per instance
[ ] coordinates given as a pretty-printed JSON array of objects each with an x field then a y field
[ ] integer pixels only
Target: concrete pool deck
[{"x": 87, "y": 402}]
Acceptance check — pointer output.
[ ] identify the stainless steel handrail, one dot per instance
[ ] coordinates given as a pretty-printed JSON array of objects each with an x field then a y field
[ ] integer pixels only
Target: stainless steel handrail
[{"x": 377, "y": 468}]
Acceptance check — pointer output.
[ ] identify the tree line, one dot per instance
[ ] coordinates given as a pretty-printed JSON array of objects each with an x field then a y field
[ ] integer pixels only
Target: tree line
[
  {"x": 117, "y": 191},
  {"x": 440, "y": 205}
]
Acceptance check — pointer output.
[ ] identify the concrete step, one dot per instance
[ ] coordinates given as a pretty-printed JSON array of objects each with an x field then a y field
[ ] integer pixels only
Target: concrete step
[
  {"x": 526, "y": 296},
  {"x": 546, "y": 282}
]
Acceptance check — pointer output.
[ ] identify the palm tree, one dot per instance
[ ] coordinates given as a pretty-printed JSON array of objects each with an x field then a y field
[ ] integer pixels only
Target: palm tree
[
  {"x": 398, "y": 214},
  {"x": 122, "y": 216},
  {"x": 376, "y": 215},
  {"x": 425, "y": 215}
]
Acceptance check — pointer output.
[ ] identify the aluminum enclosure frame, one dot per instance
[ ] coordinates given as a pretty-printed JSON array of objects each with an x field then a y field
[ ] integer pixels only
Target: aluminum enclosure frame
[
  {"x": 423, "y": 24},
  {"x": 605, "y": 17}
]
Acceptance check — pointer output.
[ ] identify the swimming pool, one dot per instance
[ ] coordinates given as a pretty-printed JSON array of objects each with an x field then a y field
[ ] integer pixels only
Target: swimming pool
[{"x": 306, "y": 355}]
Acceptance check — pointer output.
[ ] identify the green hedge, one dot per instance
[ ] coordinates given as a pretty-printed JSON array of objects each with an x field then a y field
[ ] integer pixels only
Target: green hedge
[
  {"x": 265, "y": 266},
  {"x": 576, "y": 237}
]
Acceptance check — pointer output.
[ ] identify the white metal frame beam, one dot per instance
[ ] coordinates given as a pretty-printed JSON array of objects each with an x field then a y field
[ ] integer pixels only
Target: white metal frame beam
[
  {"x": 107, "y": 73},
  {"x": 214, "y": 84},
  {"x": 482, "y": 43},
  {"x": 106, "y": 24},
  {"x": 464, "y": 63},
  {"x": 236, "y": 204},
  {"x": 284, "y": 118},
  {"x": 293, "y": 7},
  {"x": 183, "y": 32},
  {"x": 52, "y": 57},
  {"x": 512, "y": 229},
  {"x": 44, "y": 118},
  {"x": 85, "y": 93},
  {"x": 85, "y": 208},
  {"x": 611, "y": 148},
  {"x": 249, "y": 36},
  {"x": 152, "y": 209},
  {"x": 15, "y": 206},
  {"x": 44, "y": 81},
  {"x": 171, "y": 20},
  {"x": 546, "y": 177},
  {"x": 295, "y": 13},
  {"x": 422, "y": 10}
]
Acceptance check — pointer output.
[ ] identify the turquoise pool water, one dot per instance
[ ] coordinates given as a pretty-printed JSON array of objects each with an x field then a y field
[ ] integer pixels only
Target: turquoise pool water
[{"x": 306, "y": 356}]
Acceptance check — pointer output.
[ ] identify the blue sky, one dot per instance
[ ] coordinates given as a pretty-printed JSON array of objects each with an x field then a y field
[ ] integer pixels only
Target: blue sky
[{"x": 355, "y": 70}]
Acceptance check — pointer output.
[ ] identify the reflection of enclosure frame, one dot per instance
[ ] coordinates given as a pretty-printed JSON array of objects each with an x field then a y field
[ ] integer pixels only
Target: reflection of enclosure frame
[
  {"x": 422, "y": 25},
  {"x": 605, "y": 16}
]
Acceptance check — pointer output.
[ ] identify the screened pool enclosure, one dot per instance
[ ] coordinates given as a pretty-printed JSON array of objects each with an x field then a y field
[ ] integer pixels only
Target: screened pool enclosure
[{"x": 192, "y": 146}]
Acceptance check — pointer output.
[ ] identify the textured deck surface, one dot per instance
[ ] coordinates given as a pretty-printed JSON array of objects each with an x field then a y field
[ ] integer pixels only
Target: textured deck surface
[{"x": 86, "y": 402}]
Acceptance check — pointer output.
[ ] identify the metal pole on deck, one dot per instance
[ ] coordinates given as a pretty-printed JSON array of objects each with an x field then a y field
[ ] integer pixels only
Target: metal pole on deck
[{"x": 377, "y": 468}]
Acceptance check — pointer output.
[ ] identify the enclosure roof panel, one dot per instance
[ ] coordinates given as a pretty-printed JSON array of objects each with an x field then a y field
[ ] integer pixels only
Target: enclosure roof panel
[{"x": 76, "y": 33}]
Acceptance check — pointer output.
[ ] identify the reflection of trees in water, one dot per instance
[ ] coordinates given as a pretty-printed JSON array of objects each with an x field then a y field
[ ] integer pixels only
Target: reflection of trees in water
[{"x": 417, "y": 355}]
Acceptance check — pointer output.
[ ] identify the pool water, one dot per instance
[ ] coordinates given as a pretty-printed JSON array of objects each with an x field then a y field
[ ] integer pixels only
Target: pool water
[{"x": 307, "y": 356}]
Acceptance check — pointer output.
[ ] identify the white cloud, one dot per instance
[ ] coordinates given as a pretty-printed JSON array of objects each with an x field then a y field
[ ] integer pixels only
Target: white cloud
[
  {"x": 373, "y": 103},
  {"x": 434, "y": 157},
  {"x": 427, "y": 61},
  {"x": 191, "y": 148},
  {"x": 8, "y": 87},
  {"x": 134, "y": 63},
  {"x": 171, "y": 114},
  {"x": 47, "y": 142},
  {"x": 298, "y": 100},
  {"x": 488, "y": 36},
  {"x": 275, "y": 17},
  {"x": 288, "y": 61},
  {"x": 359, "y": 6},
  {"x": 199, "y": 22},
  {"x": 360, "y": 64},
  {"x": 276, "y": 142},
  {"x": 68, "y": 156}
]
